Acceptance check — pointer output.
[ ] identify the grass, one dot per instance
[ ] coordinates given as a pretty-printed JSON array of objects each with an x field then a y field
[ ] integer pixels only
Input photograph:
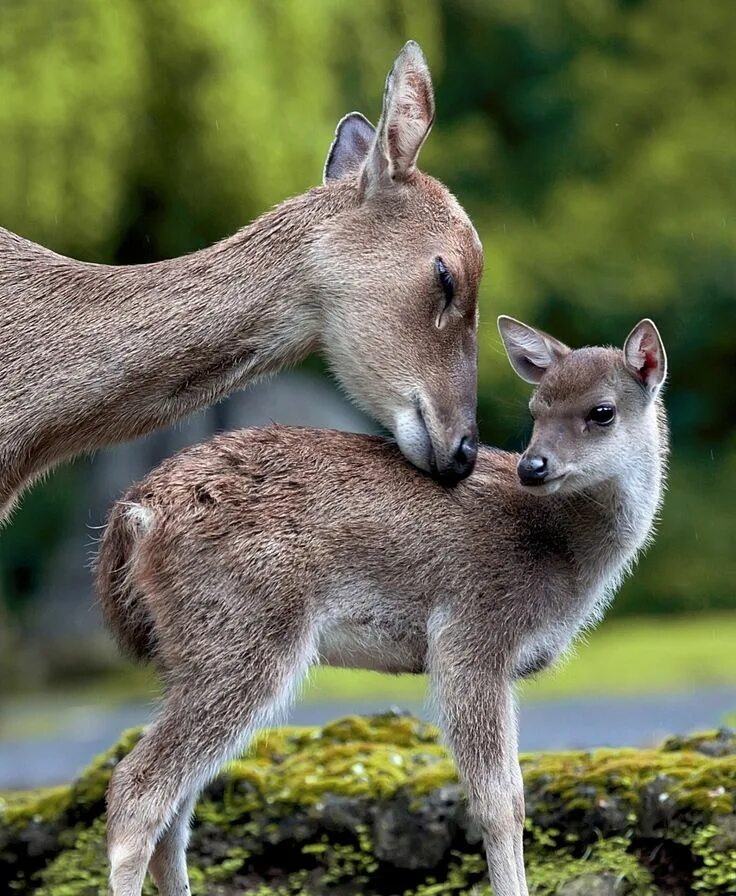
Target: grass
[{"x": 635, "y": 656}]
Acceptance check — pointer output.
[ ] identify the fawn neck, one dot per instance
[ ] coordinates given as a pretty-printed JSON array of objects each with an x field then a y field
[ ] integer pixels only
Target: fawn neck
[{"x": 606, "y": 526}]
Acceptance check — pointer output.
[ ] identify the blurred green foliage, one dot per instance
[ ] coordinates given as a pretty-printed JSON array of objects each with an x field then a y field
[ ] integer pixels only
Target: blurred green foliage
[{"x": 592, "y": 141}]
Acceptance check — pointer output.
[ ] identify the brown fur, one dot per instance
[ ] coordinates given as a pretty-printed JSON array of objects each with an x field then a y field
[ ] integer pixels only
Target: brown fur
[
  {"x": 92, "y": 354},
  {"x": 238, "y": 564}
]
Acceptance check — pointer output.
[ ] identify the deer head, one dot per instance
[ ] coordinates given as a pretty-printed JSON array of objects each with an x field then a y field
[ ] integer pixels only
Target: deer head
[
  {"x": 399, "y": 273},
  {"x": 594, "y": 409}
]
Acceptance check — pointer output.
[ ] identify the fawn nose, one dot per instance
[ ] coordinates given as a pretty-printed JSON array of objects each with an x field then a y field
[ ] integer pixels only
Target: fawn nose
[
  {"x": 462, "y": 459},
  {"x": 532, "y": 470}
]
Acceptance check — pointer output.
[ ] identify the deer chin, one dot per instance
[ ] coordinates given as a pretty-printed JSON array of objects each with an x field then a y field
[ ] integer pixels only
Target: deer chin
[
  {"x": 413, "y": 439},
  {"x": 548, "y": 487}
]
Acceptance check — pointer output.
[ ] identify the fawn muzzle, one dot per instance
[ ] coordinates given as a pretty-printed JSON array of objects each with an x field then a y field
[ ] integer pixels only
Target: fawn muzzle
[{"x": 533, "y": 470}]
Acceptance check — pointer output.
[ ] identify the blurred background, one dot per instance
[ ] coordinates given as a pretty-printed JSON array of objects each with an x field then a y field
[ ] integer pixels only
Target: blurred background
[{"x": 593, "y": 142}]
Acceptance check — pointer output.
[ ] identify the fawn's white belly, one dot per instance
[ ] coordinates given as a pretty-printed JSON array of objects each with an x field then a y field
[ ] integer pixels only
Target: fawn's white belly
[
  {"x": 543, "y": 649},
  {"x": 356, "y": 645}
]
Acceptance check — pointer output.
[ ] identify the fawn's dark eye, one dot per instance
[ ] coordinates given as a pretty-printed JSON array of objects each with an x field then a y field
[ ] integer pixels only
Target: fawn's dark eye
[
  {"x": 446, "y": 280},
  {"x": 602, "y": 414}
]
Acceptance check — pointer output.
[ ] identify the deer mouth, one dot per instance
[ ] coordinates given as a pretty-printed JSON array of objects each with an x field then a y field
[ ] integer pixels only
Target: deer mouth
[
  {"x": 431, "y": 456},
  {"x": 413, "y": 438},
  {"x": 546, "y": 486},
  {"x": 416, "y": 442}
]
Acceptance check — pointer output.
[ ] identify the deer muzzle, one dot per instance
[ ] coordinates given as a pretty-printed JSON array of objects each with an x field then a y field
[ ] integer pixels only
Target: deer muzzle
[{"x": 446, "y": 450}]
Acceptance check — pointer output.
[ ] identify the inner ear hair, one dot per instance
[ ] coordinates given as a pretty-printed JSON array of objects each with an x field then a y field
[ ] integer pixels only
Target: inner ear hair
[
  {"x": 530, "y": 351},
  {"x": 645, "y": 356},
  {"x": 354, "y": 137},
  {"x": 406, "y": 119}
]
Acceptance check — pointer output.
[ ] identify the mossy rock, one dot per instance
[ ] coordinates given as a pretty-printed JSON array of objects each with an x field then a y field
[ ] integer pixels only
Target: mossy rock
[{"x": 373, "y": 806}]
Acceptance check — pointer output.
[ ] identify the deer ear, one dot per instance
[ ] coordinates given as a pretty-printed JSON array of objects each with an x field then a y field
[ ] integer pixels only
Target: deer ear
[
  {"x": 354, "y": 137},
  {"x": 530, "y": 351},
  {"x": 406, "y": 119},
  {"x": 645, "y": 356}
]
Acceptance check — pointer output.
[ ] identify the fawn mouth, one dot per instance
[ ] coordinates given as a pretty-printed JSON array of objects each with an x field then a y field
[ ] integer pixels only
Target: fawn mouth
[{"x": 544, "y": 486}]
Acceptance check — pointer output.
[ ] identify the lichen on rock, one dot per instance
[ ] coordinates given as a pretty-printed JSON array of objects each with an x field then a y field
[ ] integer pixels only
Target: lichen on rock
[{"x": 372, "y": 805}]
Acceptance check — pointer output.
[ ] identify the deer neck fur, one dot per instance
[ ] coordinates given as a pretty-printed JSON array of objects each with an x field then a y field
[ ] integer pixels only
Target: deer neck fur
[
  {"x": 120, "y": 350},
  {"x": 603, "y": 529}
]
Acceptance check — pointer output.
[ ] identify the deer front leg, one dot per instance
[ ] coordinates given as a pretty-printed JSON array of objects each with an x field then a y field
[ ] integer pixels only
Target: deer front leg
[
  {"x": 519, "y": 812},
  {"x": 478, "y": 717}
]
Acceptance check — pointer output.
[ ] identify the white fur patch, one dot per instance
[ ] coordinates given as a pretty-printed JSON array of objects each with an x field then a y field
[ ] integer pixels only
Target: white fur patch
[
  {"x": 532, "y": 347},
  {"x": 142, "y": 518}
]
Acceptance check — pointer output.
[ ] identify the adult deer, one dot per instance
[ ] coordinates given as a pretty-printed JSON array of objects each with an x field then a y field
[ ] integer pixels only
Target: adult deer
[
  {"x": 238, "y": 564},
  {"x": 379, "y": 267}
]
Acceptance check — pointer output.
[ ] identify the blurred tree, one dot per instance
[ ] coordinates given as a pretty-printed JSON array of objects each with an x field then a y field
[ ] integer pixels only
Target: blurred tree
[
  {"x": 592, "y": 142},
  {"x": 602, "y": 176},
  {"x": 72, "y": 85},
  {"x": 136, "y": 129}
]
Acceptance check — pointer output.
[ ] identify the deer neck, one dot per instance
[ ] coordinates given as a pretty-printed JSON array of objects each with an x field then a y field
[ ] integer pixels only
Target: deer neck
[
  {"x": 248, "y": 305},
  {"x": 608, "y": 525},
  {"x": 114, "y": 352}
]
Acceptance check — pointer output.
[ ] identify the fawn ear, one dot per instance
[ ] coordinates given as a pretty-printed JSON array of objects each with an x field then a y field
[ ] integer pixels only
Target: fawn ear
[
  {"x": 530, "y": 351},
  {"x": 645, "y": 356},
  {"x": 406, "y": 120},
  {"x": 354, "y": 137}
]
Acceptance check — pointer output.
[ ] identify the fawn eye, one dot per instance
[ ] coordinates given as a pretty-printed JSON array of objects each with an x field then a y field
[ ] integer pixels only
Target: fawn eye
[
  {"x": 602, "y": 415},
  {"x": 446, "y": 280}
]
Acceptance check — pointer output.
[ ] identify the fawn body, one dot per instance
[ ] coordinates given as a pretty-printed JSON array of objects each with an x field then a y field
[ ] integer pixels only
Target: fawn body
[
  {"x": 238, "y": 564},
  {"x": 379, "y": 267}
]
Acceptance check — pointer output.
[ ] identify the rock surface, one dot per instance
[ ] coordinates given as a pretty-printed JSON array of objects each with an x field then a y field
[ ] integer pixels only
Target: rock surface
[{"x": 372, "y": 806}]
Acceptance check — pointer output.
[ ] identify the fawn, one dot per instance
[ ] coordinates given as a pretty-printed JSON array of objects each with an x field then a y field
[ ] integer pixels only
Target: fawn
[
  {"x": 240, "y": 563},
  {"x": 378, "y": 267}
]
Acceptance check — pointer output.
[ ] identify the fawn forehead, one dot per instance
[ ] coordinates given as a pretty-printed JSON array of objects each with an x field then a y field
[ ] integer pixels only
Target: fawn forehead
[{"x": 579, "y": 378}]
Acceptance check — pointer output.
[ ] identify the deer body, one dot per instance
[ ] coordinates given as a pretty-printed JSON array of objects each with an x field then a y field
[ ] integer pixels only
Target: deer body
[
  {"x": 93, "y": 354},
  {"x": 240, "y": 563}
]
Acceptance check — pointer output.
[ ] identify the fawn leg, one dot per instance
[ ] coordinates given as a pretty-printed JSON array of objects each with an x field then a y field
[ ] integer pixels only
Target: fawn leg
[
  {"x": 203, "y": 724},
  {"x": 519, "y": 812},
  {"x": 479, "y": 721},
  {"x": 168, "y": 866}
]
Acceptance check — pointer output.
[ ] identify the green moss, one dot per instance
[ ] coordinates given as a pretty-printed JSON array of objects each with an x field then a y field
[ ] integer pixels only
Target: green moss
[
  {"x": 18, "y": 809},
  {"x": 90, "y": 788},
  {"x": 300, "y": 812},
  {"x": 715, "y": 847},
  {"x": 80, "y": 870},
  {"x": 712, "y": 743},
  {"x": 462, "y": 876},
  {"x": 52, "y": 805},
  {"x": 355, "y": 757},
  {"x": 695, "y": 781},
  {"x": 546, "y": 872}
]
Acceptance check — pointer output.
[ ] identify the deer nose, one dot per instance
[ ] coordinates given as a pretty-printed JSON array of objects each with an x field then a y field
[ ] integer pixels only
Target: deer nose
[
  {"x": 462, "y": 459},
  {"x": 533, "y": 469}
]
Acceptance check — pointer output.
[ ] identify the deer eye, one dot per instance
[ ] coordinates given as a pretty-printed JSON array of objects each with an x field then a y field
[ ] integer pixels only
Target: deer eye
[
  {"x": 446, "y": 280},
  {"x": 602, "y": 415}
]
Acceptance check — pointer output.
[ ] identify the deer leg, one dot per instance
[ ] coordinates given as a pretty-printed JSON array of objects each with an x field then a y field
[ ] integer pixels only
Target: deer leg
[
  {"x": 519, "y": 813},
  {"x": 202, "y": 726},
  {"x": 478, "y": 718},
  {"x": 168, "y": 866}
]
